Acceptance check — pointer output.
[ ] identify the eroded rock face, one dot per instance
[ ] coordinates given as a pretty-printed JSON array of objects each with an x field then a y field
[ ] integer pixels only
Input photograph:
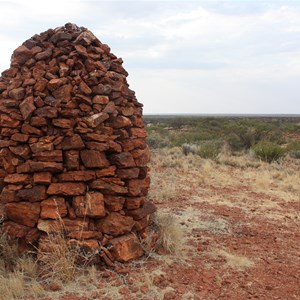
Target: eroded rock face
[{"x": 73, "y": 154}]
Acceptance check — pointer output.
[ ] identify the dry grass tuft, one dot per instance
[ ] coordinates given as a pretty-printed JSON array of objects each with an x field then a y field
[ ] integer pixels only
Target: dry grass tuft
[
  {"x": 235, "y": 261},
  {"x": 9, "y": 254},
  {"x": 170, "y": 233},
  {"x": 18, "y": 274},
  {"x": 58, "y": 261}
]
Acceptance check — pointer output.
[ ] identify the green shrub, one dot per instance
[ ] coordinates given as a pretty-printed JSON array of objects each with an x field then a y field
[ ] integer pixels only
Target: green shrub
[
  {"x": 268, "y": 151},
  {"x": 155, "y": 140},
  {"x": 294, "y": 149},
  {"x": 209, "y": 149},
  {"x": 242, "y": 137}
]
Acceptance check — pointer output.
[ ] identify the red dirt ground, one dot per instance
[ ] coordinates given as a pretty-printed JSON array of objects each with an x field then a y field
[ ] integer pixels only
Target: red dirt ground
[{"x": 271, "y": 245}]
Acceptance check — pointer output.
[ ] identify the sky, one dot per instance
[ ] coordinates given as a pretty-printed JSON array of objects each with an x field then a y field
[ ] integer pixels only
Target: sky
[{"x": 204, "y": 57}]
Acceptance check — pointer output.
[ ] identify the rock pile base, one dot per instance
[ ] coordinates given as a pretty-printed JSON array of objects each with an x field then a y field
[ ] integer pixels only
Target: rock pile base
[{"x": 73, "y": 155}]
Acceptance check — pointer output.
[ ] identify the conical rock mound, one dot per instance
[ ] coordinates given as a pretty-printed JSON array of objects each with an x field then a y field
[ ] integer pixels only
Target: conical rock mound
[{"x": 73, "y": 154}]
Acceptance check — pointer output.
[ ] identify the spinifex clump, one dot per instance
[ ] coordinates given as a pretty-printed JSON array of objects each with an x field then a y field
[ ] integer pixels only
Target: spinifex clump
[{"x": 73, "y": 150}]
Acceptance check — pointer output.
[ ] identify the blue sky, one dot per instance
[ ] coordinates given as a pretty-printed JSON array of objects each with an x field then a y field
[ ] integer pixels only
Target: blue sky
[{"x": 183, "y": 56}]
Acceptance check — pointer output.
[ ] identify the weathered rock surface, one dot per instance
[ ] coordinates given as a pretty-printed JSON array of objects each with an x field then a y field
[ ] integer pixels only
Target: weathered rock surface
[
  {"x": 125, "y": 248},
  {"x": 73, "y": 150}
]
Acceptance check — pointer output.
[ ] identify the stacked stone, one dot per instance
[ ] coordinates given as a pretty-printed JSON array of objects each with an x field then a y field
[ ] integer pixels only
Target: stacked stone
[{"x": 73, "y": 150}]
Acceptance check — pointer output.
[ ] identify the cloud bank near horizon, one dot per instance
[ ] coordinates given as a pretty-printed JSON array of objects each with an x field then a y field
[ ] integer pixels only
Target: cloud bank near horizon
[{"x": 184, "y": 57}]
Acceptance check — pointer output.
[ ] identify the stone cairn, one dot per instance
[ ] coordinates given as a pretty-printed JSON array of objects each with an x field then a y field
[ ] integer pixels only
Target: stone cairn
[{"x": 73, "y": 155}]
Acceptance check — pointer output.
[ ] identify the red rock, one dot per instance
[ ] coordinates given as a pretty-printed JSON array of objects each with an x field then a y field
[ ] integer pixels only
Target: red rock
[
  {"x": 48, "y": 156},
  {"x": 67, "y": 189},
  {"x": 147, "y": 209},
  {"x": 24, "y": 213},
  {"x": 7, "y": 132},
  {"x": 18, "y": 179},
  {"x": 141, "y": 156},
  {"x": 97, "y": 137},
  {"x": 27, "y": 107},
  {"x": 134, "y": 202},
  {"x": 62, "y": 123},
  {"x": 6, "y": 121},
  {"x": 46, "y": 112},
  {"x": 121, "y": 122},
  {"x": 85, "y": 175},
  {"x": 110, "y": 107},
  {"x": 38, "y": 102},
  {"x": 81, "y": 50},
  {"x": 124, "y": 160},
  {"x": 63, "y": 93},
  {"x": 90, "y": 205},
  {"x": 41, "y": 146},
  {"x": 138, "y": 187},
  {"x": 87, "y": 246},
  {"x": 129, "y": 173},
  {"x": 21, "y": 150},
  {"x": 85, "y": 235},
  {"x": 32, "y": 236},
  {"x": 44, "y": 54},
  {"x": 138, "y": 133},
  {"x": 19, "y": 137},
  {"x": 27, "y": 129},
  {"x": 49, "y": 100},
  {"x": 72, "y": 142},
  {"x": 60, "y": 36},
  {"x": 97, "y": 146},
  {"x": 110, "y": 171},
  {"x": 127, "y": 144},
  {"x": 21, "y": 55},
  {"x": 29, "y": 82},
  {"x": 128, "y": 111},
  {"x": 53, "y": 208},
  {"x": 8, "y": 194},
  {"x": 39, "y": 166},
  {"x": 114, "y": 147},
  {"x": 65, "y": 224},
  {"x": 72, "y": 159},
  {"x": 115, "y": 224},
  {"x": 99, "y": 184},
  {"x": 93, "y": 159},
  {"x": 42, "y": 178},
  {"x": 114, "y": 203},
  {"x": 5, "y": 144},
  {"x": 96, "y": 119},
  {"x": 55, "y": 83},
  {"x": 40, "y": 85},
  {"x": 117, "y": 181},
  {"x": 17, "y": 94},
  {"x": 100, "y": 99},
  {"x": 125, "y": 248},
  {"x": 141, "y": 224},
  {"x": 38, "y": 122},
  {"x": 84, "y": 101},
  {"x": 15, "y": 230},
  {"x": 37, "y": 193},
  {"x": 84, "y": 88}
]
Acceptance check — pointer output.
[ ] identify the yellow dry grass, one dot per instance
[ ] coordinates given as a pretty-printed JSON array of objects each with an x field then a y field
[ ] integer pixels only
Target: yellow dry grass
[{"x": 236, "y": 261}]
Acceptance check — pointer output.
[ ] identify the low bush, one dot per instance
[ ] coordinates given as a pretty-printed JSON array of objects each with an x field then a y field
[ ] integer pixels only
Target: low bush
[
  {"x": 294, "y": 149},
  {"x": 209, "y": 149},
  {"x": 241, "y": 137},
  {"x": 156, "y": 140},
  {"x": 268, "y": 151}
]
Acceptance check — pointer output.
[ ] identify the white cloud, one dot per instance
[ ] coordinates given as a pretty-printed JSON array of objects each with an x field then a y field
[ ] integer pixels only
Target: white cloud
[{"x": 186, "y": 56}]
